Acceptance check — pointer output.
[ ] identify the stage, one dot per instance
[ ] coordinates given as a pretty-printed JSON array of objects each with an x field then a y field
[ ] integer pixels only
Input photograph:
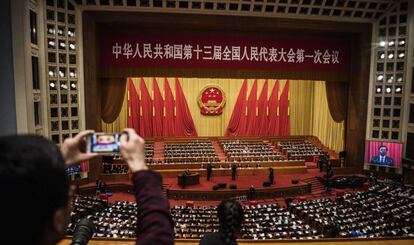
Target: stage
[{"x": 282, "y": 187}]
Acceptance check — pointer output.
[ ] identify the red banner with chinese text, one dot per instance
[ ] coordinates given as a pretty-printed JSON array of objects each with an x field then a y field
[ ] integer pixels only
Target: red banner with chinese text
[{"x": 286, "y": 54}]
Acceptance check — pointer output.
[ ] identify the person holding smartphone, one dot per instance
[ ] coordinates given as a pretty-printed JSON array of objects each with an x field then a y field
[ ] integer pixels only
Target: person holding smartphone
[
  {"x": 34, "y": 181},
  {"x": 35, "y": 186}
]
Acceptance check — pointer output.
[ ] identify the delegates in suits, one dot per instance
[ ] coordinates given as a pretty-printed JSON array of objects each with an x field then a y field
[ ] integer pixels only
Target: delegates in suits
[
  {"x": 271, "y": 176},
  {"x": 233, "y": 171},
  {"x": 209, "y": 171},
  {"x": 252, "y": 193}
]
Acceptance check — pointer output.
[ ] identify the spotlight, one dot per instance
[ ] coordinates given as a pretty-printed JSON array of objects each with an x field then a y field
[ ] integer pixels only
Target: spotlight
[
  {"x": 378, "y": 90},
  {"x": 51, "y": 73},
  {"x": 390, "y": 56},
  {"x": 402, "y": 42},
  {"x": 51, "y": 43},
  {"x": 52, "y": 84},
  {"x": 380, "y": 77},
  {"x": 73, "y": 85},
  {"x": 62, "y": 45},
  {"x": 388, "y": 90},
  {"x": 390, "y": 79},
  {"x": 398, "y": 90},
  {"x": 401, "y": 55},
  {"x": 72, "y": 46},
  {"x": 391, "y": 43},
  {"x": 382, "y": 56},
  {"x": 382, "y": 43},
  {"x": 399, "y": 79},
  {"x": 71, "y": 74}
]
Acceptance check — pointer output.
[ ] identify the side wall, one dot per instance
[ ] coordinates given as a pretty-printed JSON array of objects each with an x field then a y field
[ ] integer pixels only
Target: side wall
[{"x": 7, "y": 98}]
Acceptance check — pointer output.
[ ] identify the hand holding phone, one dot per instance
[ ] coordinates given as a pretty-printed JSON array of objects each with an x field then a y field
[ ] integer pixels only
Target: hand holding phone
[
  {"x": 73, "y": 149},
  {"x": 133, "y": 150}
]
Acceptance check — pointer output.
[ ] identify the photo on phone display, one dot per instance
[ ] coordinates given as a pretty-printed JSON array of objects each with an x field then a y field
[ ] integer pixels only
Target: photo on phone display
[{"x": 104, "y": 143}]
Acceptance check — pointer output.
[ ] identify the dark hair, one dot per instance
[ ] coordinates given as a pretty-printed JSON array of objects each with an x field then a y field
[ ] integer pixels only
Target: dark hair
[
  {"x": 383, "y": 146},
  {"x": 230, "y": 214},
  {"x": 33, "y": 183}
]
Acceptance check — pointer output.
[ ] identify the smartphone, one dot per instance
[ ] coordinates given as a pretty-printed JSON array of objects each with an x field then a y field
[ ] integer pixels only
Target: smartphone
[{"x": 103, "y": 143}]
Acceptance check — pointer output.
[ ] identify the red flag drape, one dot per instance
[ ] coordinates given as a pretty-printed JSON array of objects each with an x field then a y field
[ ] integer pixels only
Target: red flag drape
[
  {"x": 284, "y": 111},
  {"x": 262, "y": 121},
  {"x": 157, "y": 120},
  {"x": 273, "y": 105},
  {"x": 184, "y": 125},
  {"x": 133, "y": 107},
  {"x": 146, "y": 111},
  {"x": 169, "y": 104},
  {"x": 237, "y": 123},
  {"x": 251, "y": 126}
]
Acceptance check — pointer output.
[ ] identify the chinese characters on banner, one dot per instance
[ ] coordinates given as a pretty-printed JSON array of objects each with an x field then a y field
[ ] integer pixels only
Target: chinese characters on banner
[
  {"x": 233, "y": 53},
  {"x": 306, "y": 54}
]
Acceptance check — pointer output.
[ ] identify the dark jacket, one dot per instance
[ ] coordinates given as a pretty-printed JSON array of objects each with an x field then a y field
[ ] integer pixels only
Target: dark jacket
[
  {"x": 155, "y": 224},
  {"x": 388, "y": 161}
]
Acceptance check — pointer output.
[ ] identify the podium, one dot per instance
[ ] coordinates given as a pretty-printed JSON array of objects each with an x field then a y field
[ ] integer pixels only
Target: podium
[{"x": 192, "y": 179}]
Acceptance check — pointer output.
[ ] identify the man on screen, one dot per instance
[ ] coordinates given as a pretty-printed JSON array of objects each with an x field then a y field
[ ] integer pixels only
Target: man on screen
[{"x": 382, "y": 158}]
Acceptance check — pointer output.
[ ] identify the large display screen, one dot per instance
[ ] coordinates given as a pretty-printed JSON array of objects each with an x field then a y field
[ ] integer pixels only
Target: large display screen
[{"x": 388, "y": 154}]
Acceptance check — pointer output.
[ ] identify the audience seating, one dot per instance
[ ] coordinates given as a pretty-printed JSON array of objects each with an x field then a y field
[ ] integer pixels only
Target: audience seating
[
  {"x": 190, "y": 152},
  {"x": 300, "y": 149},
  {"x": 245, "y": 151},
  {"x": 385, "y": 209}
]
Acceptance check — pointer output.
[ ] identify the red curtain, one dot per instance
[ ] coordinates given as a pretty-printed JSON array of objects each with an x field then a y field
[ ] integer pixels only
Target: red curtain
[
  {"x": 169, "y": 104},
  {"x": 273, "y": 105},
  {"x": 284, "y": 111},
  {"x": 263, "y": 123},
  {"x": 146, "y": 111},
  {"x": 184, "y": 125},
  {"x": 337, "y": 97},
  {"x": 157, "y": 119},
  {"x": 251, "y": 126},
  {"x": 237, "y": 122},
  {"x": 112, "y": 97},
  {"x": 394, "y": 150},
  {"x": 133, "y": 107}
]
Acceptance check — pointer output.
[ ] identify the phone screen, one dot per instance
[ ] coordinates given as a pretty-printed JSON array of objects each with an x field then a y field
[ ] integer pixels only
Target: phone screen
[{"x": 104, "y": 143}]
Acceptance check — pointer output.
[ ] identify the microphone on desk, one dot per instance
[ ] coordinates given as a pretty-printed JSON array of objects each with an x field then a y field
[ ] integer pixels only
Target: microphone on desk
[{"x": 83, "y": 232}]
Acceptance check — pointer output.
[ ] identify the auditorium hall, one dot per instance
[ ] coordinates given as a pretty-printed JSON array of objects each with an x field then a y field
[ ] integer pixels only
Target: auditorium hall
[{"x": 301, "y": 112}]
